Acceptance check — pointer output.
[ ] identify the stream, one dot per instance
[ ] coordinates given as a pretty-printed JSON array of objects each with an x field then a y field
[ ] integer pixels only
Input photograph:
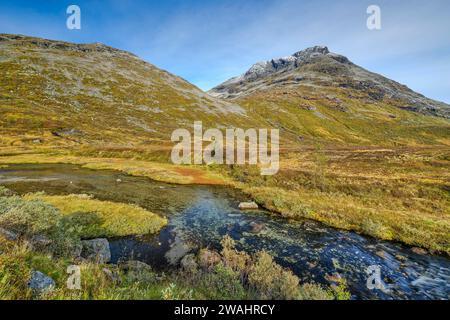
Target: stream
[{"x": 199, "y": 216}]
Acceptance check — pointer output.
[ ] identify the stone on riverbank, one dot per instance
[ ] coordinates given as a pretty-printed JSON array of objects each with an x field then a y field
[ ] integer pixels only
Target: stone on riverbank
[
  {"x": 8, "y": 235},
  {"x": 248, "y": 205},
  {"x": 40, "y": 283},
  {"x": 96, "y": 250}
]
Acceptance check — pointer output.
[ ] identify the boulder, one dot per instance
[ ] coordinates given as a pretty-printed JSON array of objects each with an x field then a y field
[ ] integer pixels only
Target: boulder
[
  {"x": 138, "y": 271},
  {"x": 40, "y": 283},
  {"x": 136, "y": 266},
  {"x": 248, "y": 205},
  {"x": 39, "y": 242},
  {"x": 96, "y": 250},
  {"x": 112, "y": 276},
  {"x": 418, "y": 250},
  {"x": 8, "y": 235}
]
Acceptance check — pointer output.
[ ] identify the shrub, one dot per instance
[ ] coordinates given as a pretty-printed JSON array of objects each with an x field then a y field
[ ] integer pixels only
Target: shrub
[
  {"x": 340, "y": 291},
  {"x": 238, "y": 261},
  {"x": 172, "y": 292},
  {"x": 223, "y": 283},
  {"x": 28, "y": 218},
  {"x": 5, "y": 192},
  {"x": 312, "y": 291},
  {"x": 271, "y": 281},
  {"x": 35, "y": 217}
]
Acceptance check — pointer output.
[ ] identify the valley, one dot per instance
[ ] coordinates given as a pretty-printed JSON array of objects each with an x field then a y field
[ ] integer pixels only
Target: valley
[{"x": 363, "y": 175}]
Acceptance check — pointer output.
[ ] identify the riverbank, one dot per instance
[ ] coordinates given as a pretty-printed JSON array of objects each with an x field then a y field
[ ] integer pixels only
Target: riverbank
[
  {"x": 400, "y": 195},
  {"x": 199, "y": 216},
  {"x": 41, "y": 244}
]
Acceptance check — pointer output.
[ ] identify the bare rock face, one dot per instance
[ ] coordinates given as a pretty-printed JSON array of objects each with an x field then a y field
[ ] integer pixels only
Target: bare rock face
[
  {"x": 257, "y": 227},
  {"x": 96, "y": 250},
  {"x": 39, "y": 242}
]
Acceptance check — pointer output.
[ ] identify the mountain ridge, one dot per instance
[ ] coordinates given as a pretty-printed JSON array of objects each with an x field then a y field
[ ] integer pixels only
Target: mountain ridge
[
  {"x": 318, "y": 66},
  {"x": 56, "y": 93}
]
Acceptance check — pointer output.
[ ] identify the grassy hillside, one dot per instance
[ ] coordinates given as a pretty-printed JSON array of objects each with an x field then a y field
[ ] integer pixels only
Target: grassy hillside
[
  {"x": 339, "y": 117},
  {"x": 54, "y": 93}
]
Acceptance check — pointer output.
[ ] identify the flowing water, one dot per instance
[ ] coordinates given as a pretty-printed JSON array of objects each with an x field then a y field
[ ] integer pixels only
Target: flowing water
[{"x": 199, "y": 216}]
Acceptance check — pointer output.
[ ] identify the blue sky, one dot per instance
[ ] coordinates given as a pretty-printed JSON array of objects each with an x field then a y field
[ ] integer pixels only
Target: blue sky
[{"x": 209, "y": 41}]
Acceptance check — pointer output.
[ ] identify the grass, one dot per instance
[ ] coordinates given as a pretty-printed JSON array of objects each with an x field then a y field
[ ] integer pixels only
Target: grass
[
  {"x": 103, "y": 218},
  {"x": 221, "y": 282},
  {"x": 163, "y": 172},
  {"x": 399, "y": 194},
  {"x": 392, "y": 194}
]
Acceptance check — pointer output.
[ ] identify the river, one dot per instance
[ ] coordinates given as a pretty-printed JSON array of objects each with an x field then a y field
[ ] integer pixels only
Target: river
[{"x": 199, "y": 216}]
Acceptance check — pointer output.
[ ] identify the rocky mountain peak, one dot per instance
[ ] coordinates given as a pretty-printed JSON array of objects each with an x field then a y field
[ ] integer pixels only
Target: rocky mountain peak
[
  {"x": 317, "y": 67},
  {"x": 266, "y": 68}
]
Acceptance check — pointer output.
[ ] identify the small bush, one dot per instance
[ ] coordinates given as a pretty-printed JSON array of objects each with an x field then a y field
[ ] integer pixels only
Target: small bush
[
  {"x": 271, "y": 281},
  {"x": 35, "y": 217},
  {"x": 5, "y": 192},
  {"x": 238, "y": 261},
  {"x": 312, "y": 291},
  {"x": 172, "y": 292},
  {"x": 223, "y": 284},
  {"x": 28, "y": 218}
]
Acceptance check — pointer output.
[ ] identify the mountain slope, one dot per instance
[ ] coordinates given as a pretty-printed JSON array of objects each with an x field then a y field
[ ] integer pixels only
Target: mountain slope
[
  {"x": 318, "y": 95},
  {"x": 57, "y": 92}
]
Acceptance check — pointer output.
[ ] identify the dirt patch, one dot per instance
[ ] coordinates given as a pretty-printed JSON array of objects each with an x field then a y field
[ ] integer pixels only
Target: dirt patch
[{"x": 198, "y": 176}]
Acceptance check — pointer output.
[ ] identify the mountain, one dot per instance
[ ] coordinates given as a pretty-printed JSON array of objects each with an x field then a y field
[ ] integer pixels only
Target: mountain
[
  {"x": 60, "y": 94},
  {"x": 54, "y": 92},
  {"x": 320, "y": 95},
  {"x": 317, "y": 66}
]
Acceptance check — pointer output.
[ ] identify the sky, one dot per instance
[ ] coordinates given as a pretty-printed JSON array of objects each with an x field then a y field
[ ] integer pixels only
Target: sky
[{"x": 209, "y": 41}]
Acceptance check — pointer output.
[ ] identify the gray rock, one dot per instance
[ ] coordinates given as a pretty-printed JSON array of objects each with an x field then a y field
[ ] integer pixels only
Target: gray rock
[
  {"x": 112, "y": 276},
  {"x": 135, "y": 266},
  {"x": 8, "y": 235},
  {"x": 96, "y": 250},
  {"x": 40, "y": 283},
  {"x": 39, "y": 242}
]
